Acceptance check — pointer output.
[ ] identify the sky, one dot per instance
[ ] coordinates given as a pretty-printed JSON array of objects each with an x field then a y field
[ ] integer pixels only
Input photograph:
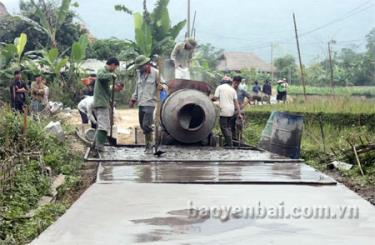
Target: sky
[{"x": 247, "y": 25}]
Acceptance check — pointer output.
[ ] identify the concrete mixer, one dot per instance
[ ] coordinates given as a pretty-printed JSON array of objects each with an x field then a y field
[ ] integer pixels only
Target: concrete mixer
[{"x": 188, "y": 115}]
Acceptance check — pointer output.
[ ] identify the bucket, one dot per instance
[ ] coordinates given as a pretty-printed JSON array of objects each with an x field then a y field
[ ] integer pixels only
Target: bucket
[{"x": 283, "y": 134}]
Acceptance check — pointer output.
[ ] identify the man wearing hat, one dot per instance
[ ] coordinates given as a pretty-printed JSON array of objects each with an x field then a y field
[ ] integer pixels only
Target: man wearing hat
[
  {"x": 229, "y": 107},
  {"x": 145, "y": 95},
  {"x": 282, "y": 87},
  {"x": 182, "y": 55},
  {"x": 102, "y": 95}
]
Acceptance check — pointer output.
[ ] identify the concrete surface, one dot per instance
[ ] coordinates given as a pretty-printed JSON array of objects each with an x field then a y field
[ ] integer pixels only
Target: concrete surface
[
  {"x": 137, "y": 200},
  {"x": 212, "y": 173},
  {"x": 134, "y": 213},
  {"x": 187, "y": 154}
]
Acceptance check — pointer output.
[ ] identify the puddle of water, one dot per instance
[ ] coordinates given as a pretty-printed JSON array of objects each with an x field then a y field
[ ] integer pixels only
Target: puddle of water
[
  {"x": 181, "y": 223},
  {"x": 210, "y": 173}
]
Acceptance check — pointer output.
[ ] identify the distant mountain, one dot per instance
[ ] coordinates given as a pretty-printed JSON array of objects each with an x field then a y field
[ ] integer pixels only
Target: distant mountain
[{"x": 3, "y": 10}]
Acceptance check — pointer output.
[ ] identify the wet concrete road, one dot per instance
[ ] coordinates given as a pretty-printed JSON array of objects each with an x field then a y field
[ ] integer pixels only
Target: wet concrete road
[
  {"x": 145, "y": 202},
  {"x": 182, "y": 154},
  {"x": 212, "y": 173},
  {"x": 126, "y": 213}
]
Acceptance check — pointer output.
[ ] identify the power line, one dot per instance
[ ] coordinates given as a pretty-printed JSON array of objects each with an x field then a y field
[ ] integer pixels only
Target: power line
[
  {"x": 359, "y": 9},
  {"x": 235, "y": 37}
]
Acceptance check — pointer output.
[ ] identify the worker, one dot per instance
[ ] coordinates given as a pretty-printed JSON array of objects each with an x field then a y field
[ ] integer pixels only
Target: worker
[
  {"x": 38, "y": 90},
  {"x": 86, "y": 110},
  {"x": 145, "y": 96},
  {"x": 154, "y": 61},
  {"x": 282, "y": 91},
  {"x": 228, "y": 103},
  {"x": 182, "y": 55},
  {"x": 47, "y": 107},
  {"x": 256, "y": 92},
  {"x": 18, "y": 91},
  {"x": 102, "y": 96},
  {"x": 89, "y": 87},
  {"x": 237, "y": 123},
  {"x": 267, "y": 91}
]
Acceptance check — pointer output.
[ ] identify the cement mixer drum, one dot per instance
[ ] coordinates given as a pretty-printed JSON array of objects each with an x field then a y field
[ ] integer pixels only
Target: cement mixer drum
[{"x": 188, "y": 116}]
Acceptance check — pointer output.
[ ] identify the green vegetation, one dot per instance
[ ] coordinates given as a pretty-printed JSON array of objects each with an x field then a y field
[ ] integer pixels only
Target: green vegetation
[
  {"x": 321, "y": 104},
  {"x": 102, "y": 49},
  {"x": 46, "y": 23},
  {"x": 25, "y": 177},
  {"x": 349, "y": 67},
  {"x": 154, "y": 33},
  {"x": 341, "y": 91}
]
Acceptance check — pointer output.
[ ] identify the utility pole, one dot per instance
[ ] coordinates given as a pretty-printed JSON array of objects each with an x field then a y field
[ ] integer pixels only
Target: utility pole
[
  {"x": 331, "y": 65},
  {"x": 272, "y": 71},
  {"x": 188, "y": 20},
  {"x": 192, "y": 33},
  {"x": 299, "y": 56}
]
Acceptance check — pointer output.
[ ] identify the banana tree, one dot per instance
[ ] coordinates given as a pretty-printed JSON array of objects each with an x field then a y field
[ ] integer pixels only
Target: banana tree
[
  {"x": 143, "y": 35},
  {"x": 11, "y": 59},
  {"x": 154, "y": 32},
  {"x": 11, "y": 56},
  {"x": 51, "y": 62},
  {"x": 49, "y": 20},
  {"x": 77, "y": 56}
]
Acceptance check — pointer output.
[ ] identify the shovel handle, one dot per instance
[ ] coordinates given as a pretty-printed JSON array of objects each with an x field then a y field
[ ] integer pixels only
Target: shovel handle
[{"x": 112, "y": 106}]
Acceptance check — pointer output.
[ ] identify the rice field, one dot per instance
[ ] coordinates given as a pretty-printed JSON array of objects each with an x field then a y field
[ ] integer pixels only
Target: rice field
[
  {"x": 323, "y": 104},
  {"x": 368, "y": 91}
]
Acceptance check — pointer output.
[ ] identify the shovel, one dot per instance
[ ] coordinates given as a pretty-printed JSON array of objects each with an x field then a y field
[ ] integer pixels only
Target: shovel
[
  {"x": 112, "y": 141},
  {"x": 158, "y": 105}
]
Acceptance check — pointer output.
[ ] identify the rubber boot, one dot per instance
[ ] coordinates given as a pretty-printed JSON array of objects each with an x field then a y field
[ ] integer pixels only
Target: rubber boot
[
  {"x": 148, "y": 141},
  {"x": 100, "y": 139}
]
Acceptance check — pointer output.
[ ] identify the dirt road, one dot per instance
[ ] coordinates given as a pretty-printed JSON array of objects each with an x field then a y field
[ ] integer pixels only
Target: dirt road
[{"x": 126, "y": 121}]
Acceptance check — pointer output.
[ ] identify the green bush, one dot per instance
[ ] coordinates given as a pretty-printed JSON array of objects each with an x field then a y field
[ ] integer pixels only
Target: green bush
[{"x": 29, "y": 180}]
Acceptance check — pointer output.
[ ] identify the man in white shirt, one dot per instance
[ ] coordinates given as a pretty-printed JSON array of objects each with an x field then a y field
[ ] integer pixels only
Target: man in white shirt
[
  {"x": 228, "y": 102},
  {"x": 85, "y": 108},
  {"x": 182, "y": 55}
]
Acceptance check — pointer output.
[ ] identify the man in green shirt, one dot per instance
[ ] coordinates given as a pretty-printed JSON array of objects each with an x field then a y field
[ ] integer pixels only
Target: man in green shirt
[
  {"x": 282, "y": 91},
  {"x": 102, "y": 97}
]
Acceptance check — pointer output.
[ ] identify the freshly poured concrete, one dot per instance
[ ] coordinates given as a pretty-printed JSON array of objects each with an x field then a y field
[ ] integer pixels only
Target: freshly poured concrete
[
  {"x": 140, "y": 200},
  {"x": 213, "y": 173},
  {"x": 182, "y": 154},
  {"x": 128, "y": 213}
]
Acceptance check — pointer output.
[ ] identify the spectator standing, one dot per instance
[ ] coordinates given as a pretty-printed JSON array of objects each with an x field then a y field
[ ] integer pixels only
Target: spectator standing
[{"x": 18, "y": 91}]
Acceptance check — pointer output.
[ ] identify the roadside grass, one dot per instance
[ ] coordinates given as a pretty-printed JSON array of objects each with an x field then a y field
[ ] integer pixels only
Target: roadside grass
[{"x": 24, "y": 177}]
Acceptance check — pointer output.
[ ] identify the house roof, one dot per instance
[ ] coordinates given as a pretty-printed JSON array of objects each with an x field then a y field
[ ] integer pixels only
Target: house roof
[{"x": 237, "y": 61}]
